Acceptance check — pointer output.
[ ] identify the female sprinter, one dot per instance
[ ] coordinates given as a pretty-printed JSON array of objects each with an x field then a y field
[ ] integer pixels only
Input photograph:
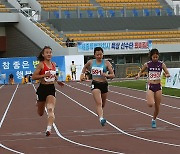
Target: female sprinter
[
  {"x": 154, "y": 89},
  {"x": 46, "y": 74},
  {"x": 99, "y": 85}
]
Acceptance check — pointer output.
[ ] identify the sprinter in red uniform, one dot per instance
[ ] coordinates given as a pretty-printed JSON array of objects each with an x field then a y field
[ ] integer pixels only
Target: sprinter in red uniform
[{"x": 46, "y": 74}]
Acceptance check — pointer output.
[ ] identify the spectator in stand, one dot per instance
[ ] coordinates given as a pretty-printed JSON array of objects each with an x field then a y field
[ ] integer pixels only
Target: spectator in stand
[
  {"x": 72, "y": 44},
  {"x": 68, "y": 42}
]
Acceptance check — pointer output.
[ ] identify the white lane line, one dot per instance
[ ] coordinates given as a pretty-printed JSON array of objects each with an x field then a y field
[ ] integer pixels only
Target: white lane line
[
  {"x": 10, "y": 149},
  {"x": 120, "y": 130},
  {"x": 176, "y": 145},
  {"x": 79, "y": 144},
  {"x": 83, "y": 145},
  {"x": 128, "y": 134},
  {"x": 130, "y": 108},
  {"x": 173, "y": 107},
  {"x": 143, "y": 113},
  {"x": 1, "y": 86},
  {"x": 142, "y": 99},
  {"x": 2, "y": 120},
  {"x": 5, "y": 113}
]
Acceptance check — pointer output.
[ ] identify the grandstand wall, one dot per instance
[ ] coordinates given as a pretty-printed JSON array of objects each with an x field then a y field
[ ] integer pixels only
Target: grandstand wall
[
  {"x": 9, "y": 17},
  {"x": 17, "y": 44},
  {"x": 2, "y": 39}
]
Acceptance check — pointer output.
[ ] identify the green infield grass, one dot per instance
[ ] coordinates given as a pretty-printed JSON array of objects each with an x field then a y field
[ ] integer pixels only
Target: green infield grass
[{"x": 141, "y": 85}]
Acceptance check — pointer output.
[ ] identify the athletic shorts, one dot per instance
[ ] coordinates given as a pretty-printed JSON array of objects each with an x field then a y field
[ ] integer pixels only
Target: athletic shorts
[
  {"x": 154, "y": 87},
  {"x": 102, "y": 86},
  {"x": 45, "y": 90}
]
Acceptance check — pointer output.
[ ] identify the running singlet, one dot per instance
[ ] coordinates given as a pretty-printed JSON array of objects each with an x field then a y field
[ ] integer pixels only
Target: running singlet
[
  {"x": 154, "y": 70},
  {"x": 98, "y": 69},
  {"x": 52, "y": 72}
]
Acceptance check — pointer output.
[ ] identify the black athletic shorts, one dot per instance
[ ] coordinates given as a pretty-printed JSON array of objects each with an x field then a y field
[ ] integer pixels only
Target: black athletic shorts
[
  {"x": 45, "y": 90},
  {"x": 154, "y": 87},
  {"x": 102, "y": 86}
]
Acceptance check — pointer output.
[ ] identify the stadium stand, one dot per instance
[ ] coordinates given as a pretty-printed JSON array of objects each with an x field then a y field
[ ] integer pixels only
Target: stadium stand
[
  {"x": 129, "y": 4},
  {"x": 101, "y": 7},
  {"x": 65, "y": 4},
  {"x": 3, "y": 8},
  {"x": 155, "y": 36},
  {"x": 50, "y": 32}
]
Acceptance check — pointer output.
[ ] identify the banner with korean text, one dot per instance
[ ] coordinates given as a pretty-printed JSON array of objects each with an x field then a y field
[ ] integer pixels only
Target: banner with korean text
[
  {"x": 21, "y": 66},
  {"x": 115, "y": 45}
]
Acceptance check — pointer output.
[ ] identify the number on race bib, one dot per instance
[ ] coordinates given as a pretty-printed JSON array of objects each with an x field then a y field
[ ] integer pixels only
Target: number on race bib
[
  {"x": 97, "y": 71},
  {"x": 154, "y": 75}
]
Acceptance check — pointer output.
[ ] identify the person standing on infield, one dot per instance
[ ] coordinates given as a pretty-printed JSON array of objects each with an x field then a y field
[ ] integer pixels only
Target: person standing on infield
[{"x": 73, "y": 71}]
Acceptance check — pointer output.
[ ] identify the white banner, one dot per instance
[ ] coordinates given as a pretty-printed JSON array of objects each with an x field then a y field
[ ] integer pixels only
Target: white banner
[
  {"x": 78, "y": 61},
  {"x": 124, "y": 45},
  {"x": 174, "y": 80}
]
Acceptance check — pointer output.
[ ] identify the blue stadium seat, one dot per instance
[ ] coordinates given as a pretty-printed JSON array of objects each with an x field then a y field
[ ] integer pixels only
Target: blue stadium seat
[
  {"x": 100, "y": 13},
  {"x": 90, "y": 13},
  {"x": 112, "y": 13},
  {"x": 122, "y": 12},
  {"x": 135, "y": 12},
  {"x": 67, "y": 14},
  {"x": 80, "y": 15},
  {"x": 158, "y": 12},
  {"x": 169, "y": 11},
  {"x": 56, "y": 14},
  {"x": 146, "y": 12}
]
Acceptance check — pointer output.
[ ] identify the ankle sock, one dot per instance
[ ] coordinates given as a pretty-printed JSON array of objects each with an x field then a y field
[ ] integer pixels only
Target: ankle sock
[
  {"x": 49, "y": 128},
  {"x": 100, "y": 118}
]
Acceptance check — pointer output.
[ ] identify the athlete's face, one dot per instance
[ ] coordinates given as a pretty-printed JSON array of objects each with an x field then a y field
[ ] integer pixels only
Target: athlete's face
[
  {"x": 47, "y": 54},
  {"x": 155, "y": 57},
  {"x": 98, "y": 55}
]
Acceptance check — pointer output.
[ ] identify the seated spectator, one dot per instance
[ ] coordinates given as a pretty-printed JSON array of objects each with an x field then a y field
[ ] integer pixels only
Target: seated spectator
[
  {"x": 25, "y": 79},
  {"x": 72, "y": 44},
  {"x": 11, "y": 79},
  {"x": 68, "y": 42}
]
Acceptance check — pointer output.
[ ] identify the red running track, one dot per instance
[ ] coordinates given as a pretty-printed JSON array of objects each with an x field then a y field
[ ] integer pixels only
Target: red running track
[{"x": 77, "y": 129}]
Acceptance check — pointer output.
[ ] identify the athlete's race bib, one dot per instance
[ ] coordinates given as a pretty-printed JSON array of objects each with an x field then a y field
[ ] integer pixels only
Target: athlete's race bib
[
  {"x": 52, "y": 76},
  {"x": 154, "y": 75},
  {"x": 97, "y": 71}
]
